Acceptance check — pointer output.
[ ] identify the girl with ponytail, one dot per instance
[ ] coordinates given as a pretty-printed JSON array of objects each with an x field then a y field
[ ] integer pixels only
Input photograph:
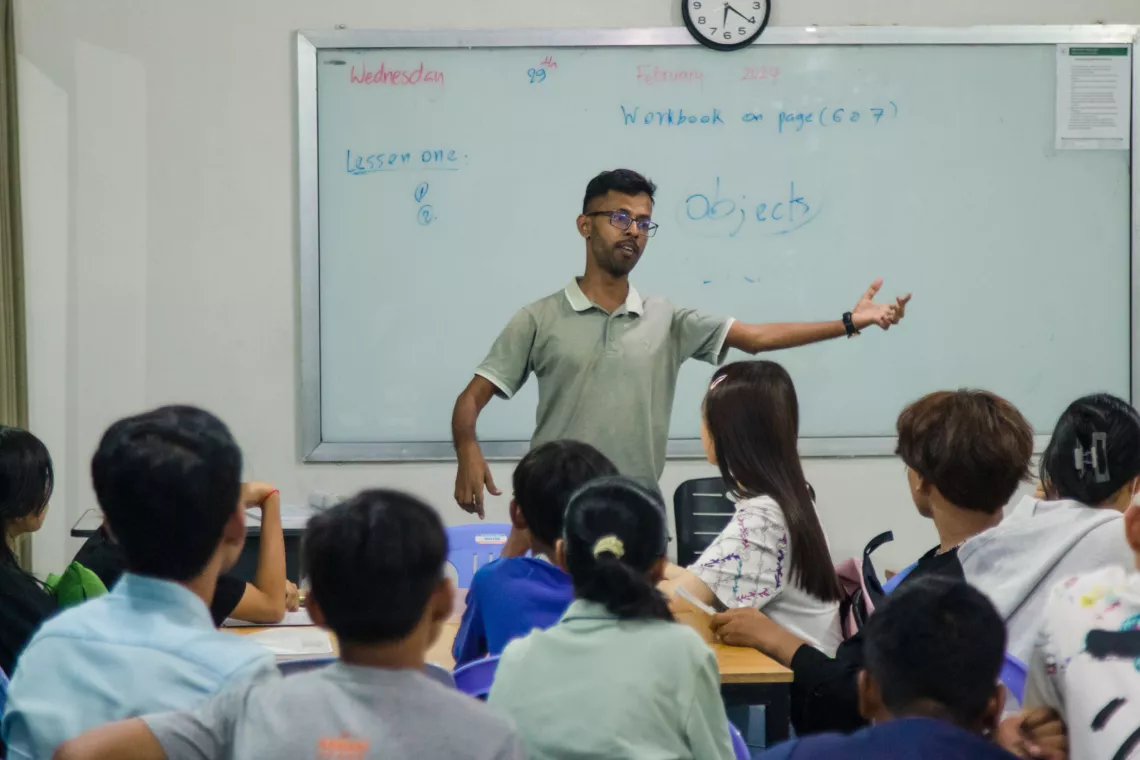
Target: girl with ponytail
[{"x": 617, "y": 677}]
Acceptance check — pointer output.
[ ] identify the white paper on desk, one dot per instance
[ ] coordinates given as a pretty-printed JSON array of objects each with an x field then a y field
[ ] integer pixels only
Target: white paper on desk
[
  {"x": 300, "y": 617},
  {"x": 293, "y": 642},
  {"x": 1094, "y": 97}
]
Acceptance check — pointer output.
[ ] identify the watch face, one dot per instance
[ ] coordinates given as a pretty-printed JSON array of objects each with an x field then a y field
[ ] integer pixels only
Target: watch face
[{"x": 726, "y": 24}]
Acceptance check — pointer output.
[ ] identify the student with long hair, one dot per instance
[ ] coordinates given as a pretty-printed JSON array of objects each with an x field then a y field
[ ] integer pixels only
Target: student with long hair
[
  {"x": 617, "y": 677},
  {"x": 26, "y": 483},
  {"x": 773, "y": 554}
]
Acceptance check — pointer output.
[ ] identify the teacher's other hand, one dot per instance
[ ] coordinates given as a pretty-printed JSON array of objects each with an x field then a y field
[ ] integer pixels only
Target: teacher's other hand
[
  {"x": 474, "y": 473},
  {"x": 867, "y": 312}
]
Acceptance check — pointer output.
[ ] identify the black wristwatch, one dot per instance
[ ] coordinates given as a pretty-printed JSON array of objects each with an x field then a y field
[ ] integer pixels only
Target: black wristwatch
[{"x": 849, "y": 325}]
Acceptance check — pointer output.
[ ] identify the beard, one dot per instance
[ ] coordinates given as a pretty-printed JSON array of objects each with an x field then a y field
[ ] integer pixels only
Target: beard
[{"x": 620, "y": 259}]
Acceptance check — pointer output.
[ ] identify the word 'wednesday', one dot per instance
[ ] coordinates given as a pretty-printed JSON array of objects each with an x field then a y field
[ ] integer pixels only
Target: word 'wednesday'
[{"x": 397, "y": 77}]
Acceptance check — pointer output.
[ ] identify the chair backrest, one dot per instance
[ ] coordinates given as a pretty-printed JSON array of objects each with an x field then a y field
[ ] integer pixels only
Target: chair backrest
[
  {"x": 293, "y": 667},
  {"x": 439, "y": 674},
  {"x": 893, "y": 582},
  {"x": 739, "y": 746},
  {"x": 701, "y": 509},
  {"x": 1013, "y": 673},
  {"x": 472, "y": 546},
  {"x": 475, "y": 678}
]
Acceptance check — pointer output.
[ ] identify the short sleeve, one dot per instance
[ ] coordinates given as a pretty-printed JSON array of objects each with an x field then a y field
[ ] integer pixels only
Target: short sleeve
[
  {"x": 746, "y": 565},
  {"x": 227, "y": 595},
  {"x": 706, "y": 725},
  {"x": 508, "y": 364},
  {"x": 700, "y": 336},
  {"x": 208, "y": 731}
]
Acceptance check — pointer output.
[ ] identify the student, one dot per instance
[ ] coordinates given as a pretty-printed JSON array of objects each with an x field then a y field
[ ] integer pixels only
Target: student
[
  {"x": 617, "y": 677},
  {"x": 26, "y": 483},
  {"x": 1085, "y": 660},
  {"x": 266, "y": 600},
  {"x": 169, "y": 483},
  {"x": 376, "y": 567},
  {"x": 965, "y": 452},
  {"x": 511, "y": 597},
  {"x": 1091, "y": 472},
  {"x": 930, "y": 686},
  {"x": 773, "y": 555}
]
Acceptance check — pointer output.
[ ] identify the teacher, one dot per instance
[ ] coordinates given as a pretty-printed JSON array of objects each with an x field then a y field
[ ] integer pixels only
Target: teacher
[{"x": 607, "y": 358}]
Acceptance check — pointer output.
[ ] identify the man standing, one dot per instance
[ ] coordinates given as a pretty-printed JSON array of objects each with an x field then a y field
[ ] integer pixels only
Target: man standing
[{"x": 606, "y": 358}]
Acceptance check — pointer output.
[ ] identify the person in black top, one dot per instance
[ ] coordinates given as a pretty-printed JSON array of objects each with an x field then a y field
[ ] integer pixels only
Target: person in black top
[
  {"x": 965, "y": 452},
  {"x": 266, "y": 600},
  {"x": 26, "y": 483}
]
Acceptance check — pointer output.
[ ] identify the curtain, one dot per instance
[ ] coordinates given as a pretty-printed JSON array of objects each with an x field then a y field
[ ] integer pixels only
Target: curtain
[{"x": 13, "y": 332}]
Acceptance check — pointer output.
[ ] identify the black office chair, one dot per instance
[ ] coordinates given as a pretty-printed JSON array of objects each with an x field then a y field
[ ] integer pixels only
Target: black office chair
[{"x": 701, "y": 509}]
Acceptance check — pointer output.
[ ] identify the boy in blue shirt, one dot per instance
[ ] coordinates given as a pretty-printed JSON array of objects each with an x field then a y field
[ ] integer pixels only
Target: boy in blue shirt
[
  {"x": 169, "y": 483},
  {"x": 930, "y": 686},
  {"x": 510, "y": 597}
]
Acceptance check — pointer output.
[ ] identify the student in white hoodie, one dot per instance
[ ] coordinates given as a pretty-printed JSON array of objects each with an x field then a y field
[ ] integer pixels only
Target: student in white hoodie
[{"x": 1090, "y": 472}]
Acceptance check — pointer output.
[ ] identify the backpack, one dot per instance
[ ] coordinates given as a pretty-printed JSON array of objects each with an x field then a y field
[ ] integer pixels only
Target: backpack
[
  {"x": 76, "y": 584},
  {"x": 861, "y": 588}
]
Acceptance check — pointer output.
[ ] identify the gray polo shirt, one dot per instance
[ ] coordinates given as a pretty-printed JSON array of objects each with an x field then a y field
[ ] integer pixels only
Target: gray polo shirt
[{"x": 604, "y": 379}]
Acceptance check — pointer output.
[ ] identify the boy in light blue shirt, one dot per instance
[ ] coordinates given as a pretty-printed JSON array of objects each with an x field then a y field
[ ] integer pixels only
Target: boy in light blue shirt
[
  {"x": 169, "y": 483},
  {"x": 511, "y": 597}
]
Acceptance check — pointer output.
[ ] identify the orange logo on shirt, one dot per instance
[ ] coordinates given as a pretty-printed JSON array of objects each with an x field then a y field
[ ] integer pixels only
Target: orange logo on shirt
[{"x": 343, "y": 747}]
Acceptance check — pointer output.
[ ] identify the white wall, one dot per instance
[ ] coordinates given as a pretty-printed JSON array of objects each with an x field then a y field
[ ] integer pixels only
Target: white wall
[{"x": 159, "y": 202}]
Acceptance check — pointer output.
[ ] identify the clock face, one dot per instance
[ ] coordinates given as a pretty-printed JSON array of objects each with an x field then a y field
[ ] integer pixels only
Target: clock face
[{"x": 726, "y": 24}]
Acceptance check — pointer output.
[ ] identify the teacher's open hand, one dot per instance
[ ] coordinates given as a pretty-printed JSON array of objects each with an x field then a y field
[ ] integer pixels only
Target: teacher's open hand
[{"x": 867, "y": 312}]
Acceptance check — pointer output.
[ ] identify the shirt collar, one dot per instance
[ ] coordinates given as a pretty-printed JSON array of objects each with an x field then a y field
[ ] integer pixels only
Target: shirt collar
[
  {"x": 584, "y": 609},
  {"x": 580, "y": 303},
  {"x": 167, "y": 594}
]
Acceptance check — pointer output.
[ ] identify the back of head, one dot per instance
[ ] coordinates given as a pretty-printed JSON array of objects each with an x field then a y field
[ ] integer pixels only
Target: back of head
[
  {"x": 1094, "y": 451},
  {"x": 168, "y": 480},
  {"x": 615, "y": 536},
  {"x": 373, "y": 563},
  {"x": 545, "y": 479},
  {"x": 752, "y": 416},
  {"x": 624, "y": 181},
  {"x": 26, "y": 480},
  {"x": 973, "y": 446},
  {"x": 935, "y": 649}
]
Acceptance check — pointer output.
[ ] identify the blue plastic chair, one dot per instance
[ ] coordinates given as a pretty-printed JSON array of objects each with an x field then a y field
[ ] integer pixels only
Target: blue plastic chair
[
  {"x": 897, "y": 578},
  {"x": 475, "y": 678},
  {"x": 739, "y": 746},
  {"x": 1013, "y": 673},
  {"x": 293, "y": 667},
  {"x": 472, "y": 546}
]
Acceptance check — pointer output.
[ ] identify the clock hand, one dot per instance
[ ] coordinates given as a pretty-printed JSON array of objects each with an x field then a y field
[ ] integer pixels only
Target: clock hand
[
  {"x": 738, "y": 13},
  {"x": 725, "y": 22}
]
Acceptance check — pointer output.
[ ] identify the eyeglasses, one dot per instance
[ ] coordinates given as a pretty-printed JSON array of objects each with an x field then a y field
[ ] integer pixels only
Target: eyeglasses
[{"x": 622, "y": 220}]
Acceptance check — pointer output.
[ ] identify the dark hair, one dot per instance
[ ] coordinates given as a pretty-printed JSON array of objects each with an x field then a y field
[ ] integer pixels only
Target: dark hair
[
  {"x": 1117, "y": 453},
  {"x": 936, "y": 643},
  {"x": 27, "y": 480},
  {"x": 615, "y": 532},
  {"x": 753, "y": 419},
  {"x": 547, "y": 476},
  {"x": 373, "y": 563},
  {"x": 624, "y": 181},
  {"x": 973, "y": 446},
  {"x": 168, "y": 480}
]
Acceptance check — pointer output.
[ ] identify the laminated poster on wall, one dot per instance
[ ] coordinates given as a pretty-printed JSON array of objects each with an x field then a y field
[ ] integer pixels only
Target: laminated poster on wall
[{"x": 1094, "y": 97}]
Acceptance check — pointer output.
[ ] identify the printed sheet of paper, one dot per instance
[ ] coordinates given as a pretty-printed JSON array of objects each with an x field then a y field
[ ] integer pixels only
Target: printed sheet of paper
[
  {"x": 1094, "y": 97},
  {"x": 294, "y": 642},
  {"x": 292, "y": 619}
]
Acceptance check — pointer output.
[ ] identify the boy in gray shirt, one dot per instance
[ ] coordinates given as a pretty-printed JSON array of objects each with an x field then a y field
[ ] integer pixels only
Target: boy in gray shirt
[{"x": 376, "y": 567}]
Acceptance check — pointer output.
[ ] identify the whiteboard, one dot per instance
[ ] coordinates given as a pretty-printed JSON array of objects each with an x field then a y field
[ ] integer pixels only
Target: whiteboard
[{"x": 441, "y": 176}]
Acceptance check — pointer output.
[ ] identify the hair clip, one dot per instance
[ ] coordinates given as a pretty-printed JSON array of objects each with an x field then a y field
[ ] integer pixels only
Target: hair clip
[
  {"x": 611, "y": 544},
  {"x": 1096, "y": 457},
  {"x": 717, "y": 381}
]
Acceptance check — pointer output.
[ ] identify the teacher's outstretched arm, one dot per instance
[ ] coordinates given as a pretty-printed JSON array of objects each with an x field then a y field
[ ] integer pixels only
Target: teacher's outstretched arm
[
  {"x": 474, "y": 473},
  {"x": 754, "y": 339}
]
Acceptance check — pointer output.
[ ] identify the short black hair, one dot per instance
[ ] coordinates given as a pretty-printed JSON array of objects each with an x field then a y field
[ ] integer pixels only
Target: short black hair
[
  {"x": 27, "y": 479},
  {"x": 624, "y": 181},
  {"x": 547, "y": 476},
  {"x": 936, "y": 643},
  {"x": 373, "y": 563},
  {"x": 168, "y": 480}
]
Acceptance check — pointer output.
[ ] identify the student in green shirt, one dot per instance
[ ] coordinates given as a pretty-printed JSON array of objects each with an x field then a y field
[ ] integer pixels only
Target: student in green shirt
[{"x": 617, "y": 677}]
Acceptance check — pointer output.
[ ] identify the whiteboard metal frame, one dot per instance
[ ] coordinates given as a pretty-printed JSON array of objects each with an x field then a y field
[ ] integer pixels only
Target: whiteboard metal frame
[{"x": 309, "y": 43}]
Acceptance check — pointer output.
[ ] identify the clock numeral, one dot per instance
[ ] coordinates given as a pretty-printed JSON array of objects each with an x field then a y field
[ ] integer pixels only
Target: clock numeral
[
  {"x": 696, "y": 6},
  {"x": 742, "y": 31},
  {"x": 701, "y": 20},
  {"x": 713, "y": 31},
  {"x": 728, "y": 35},
  {"x": 756, "y": 6}
]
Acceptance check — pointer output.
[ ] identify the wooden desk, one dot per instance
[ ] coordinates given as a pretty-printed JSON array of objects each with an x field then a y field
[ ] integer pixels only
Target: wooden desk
[{"x": 747, "y": 677}]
